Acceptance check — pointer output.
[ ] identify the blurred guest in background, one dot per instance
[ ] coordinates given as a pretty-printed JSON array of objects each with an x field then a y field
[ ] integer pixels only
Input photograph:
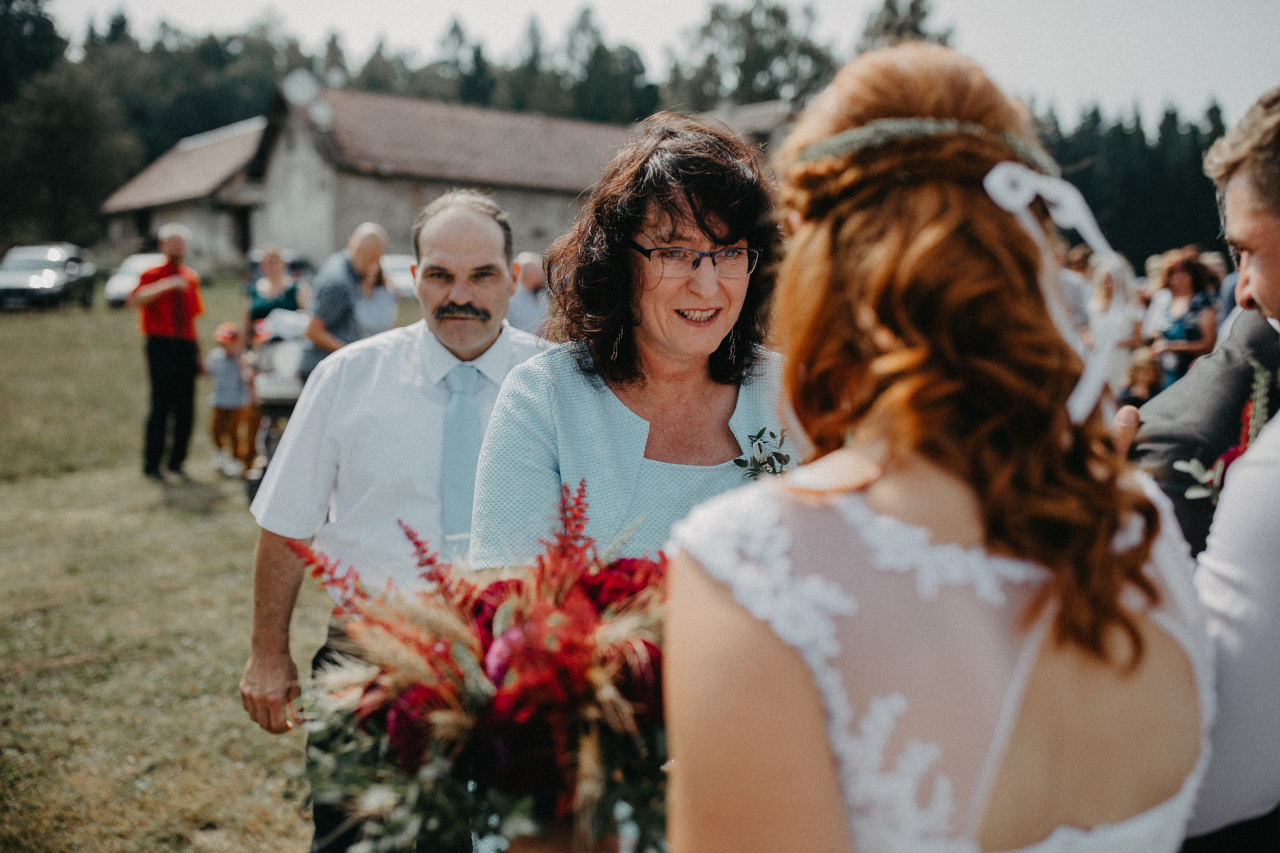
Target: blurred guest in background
[
  {"x": 275, "y": 288},
  {"x": 1142, "y": 379},
  {"x": 168, "y": 298},
  {"x": 342, "y": 282},
  {"x": 528, "y": 309},
  {"x": 1184, "y": 316},
  {"x": 229, "y": 423}
]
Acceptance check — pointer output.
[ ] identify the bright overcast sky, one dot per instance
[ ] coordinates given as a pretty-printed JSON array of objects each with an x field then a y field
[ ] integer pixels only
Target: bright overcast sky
[{"x": 1115, "y": 52}]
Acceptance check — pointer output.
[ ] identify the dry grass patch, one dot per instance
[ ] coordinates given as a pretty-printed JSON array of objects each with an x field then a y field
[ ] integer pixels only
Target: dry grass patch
[
  {"x": 124, "y": 619},
  {"x": 123, "y": 631}
]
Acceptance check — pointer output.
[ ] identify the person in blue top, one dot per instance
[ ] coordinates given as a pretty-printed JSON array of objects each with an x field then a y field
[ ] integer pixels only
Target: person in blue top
[
  {"x": 662, "y": 380},
  {"x": 1189, "y": 328}
]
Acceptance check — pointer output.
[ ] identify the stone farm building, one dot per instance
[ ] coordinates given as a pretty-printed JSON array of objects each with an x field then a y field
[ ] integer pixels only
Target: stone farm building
[
  {"x": 315, "y": 170},
  {"x": 199, "y": 182}
]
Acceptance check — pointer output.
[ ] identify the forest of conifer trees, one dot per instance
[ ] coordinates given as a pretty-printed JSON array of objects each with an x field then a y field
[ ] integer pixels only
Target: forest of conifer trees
[{"x": 80, "y": 115}]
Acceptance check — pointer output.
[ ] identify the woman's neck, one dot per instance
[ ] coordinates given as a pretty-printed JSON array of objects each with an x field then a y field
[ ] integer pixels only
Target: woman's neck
[{"x": 663, "y": 370}]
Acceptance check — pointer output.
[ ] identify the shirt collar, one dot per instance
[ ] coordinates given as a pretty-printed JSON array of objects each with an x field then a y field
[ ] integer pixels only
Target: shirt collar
[{"x": 438, "y": 361}]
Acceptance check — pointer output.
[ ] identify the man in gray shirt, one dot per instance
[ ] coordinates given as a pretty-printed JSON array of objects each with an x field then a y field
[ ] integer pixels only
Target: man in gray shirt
[{"x": 335, "y": 291}]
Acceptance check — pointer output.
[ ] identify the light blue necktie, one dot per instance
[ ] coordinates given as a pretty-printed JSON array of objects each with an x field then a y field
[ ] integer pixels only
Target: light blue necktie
[{"x": 460, "y": 451}]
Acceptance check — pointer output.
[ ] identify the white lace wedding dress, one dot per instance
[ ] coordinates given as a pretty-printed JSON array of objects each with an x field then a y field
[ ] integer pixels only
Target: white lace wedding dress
[{"x": 917, "y": 653}]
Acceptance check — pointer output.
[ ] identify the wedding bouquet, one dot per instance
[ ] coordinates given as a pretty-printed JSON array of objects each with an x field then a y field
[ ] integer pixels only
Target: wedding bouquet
[{"x": 494, "y": 706}]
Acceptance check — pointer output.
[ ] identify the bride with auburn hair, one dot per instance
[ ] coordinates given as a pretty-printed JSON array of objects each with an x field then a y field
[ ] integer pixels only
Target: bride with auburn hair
[{"x": 967, "y": 625}]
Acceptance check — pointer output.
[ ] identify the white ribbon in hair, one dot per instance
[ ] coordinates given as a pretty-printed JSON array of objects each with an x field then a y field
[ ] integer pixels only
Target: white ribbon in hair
[{"x": 1014, "y": 187}]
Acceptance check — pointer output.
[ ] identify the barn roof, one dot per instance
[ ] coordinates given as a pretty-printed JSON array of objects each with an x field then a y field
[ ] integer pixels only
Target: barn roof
[
  {"x": 388, "y": 135},
  {"x": 196, "y": 167}
]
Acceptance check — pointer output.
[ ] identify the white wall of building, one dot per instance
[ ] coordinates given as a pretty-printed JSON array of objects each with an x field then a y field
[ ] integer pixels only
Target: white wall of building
[{"x": 298, "y": 208}]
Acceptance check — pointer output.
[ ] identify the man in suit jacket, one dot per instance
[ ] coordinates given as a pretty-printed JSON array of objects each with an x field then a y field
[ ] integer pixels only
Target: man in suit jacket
[{"x": 1198, "y": 417}]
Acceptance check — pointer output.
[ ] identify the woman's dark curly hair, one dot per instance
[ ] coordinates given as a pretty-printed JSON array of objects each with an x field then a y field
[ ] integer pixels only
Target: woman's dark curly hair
[{"x": 677, "y": 167}]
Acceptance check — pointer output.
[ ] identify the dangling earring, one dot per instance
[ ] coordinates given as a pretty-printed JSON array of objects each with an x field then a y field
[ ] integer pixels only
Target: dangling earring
[
  {"x": 616, "y": 341},
  {"x": 733, "y": 346}
]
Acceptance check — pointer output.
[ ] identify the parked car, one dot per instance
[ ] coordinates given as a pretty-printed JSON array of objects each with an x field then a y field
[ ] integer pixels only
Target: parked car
[
  {"x": 396, "y": 270},
  {"x": 52, "y": 274},
  {"x": 125, "y": 279}
]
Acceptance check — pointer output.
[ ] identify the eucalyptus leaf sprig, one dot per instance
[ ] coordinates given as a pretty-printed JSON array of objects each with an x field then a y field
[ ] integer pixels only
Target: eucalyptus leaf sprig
[{"x": 766, "y": 455}]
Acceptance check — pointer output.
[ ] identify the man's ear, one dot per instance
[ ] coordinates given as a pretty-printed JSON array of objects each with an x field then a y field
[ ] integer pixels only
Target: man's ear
[
  {"x": 515, "y": 278},
  {"x": 413, "y": 271}
]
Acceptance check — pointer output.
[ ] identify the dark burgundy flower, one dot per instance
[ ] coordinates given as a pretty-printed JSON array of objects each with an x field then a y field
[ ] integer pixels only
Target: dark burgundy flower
[
  {"x": 407, "y": 725},
  {"x": 487, "y": 604},
  {"x": 620, "y": 580},
  {"x": 518, "y": 759},
  {"x": 640, "y": 682}
]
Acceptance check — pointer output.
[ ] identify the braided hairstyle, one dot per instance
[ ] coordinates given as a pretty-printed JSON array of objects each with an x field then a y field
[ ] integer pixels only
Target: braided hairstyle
[{"x": 908, "y": 309}]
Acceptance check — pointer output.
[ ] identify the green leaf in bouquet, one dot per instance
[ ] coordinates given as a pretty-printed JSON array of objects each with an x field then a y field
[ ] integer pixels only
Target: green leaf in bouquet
[
  {"x": 504, "y": 617},
  {"x": 477, "y": 690}
]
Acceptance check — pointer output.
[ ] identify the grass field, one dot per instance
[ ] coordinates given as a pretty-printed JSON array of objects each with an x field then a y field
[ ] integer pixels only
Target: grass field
[{"x": 125, "y": 616}]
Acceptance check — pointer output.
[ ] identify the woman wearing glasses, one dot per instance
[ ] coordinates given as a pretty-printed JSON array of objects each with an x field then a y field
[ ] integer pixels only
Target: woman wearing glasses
[{"x": 663, "y": 287}]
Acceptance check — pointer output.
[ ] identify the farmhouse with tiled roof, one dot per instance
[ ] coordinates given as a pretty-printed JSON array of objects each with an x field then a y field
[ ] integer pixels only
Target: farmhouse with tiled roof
[
  {"x": 200, "y": 182},
  {"x": 344, "y": 157},
  {"x": 325, "y": 160}
]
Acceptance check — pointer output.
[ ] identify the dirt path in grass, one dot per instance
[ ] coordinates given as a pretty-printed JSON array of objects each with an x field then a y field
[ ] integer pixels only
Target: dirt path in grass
[{"x": 124, "y": 625}]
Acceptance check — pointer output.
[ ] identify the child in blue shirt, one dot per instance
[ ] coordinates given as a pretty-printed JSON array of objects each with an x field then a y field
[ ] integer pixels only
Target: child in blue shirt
[{"x": 232, "y": 437}]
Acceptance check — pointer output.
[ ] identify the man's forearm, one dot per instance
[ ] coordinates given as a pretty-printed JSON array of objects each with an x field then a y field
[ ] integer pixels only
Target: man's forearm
[
  {"x": 277, "y": 577},
  {"x": 148, "y": 293},
  {"x": 318, "y": 333}
]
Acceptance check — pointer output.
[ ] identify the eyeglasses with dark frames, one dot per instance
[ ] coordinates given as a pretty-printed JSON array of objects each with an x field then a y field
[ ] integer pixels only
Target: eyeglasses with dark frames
[{"x": 679, "y": 262}]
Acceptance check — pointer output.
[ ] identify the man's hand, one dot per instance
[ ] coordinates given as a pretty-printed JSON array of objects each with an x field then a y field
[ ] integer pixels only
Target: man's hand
[
  {"x": 270, "y": 680},
  {"x": 268, "y": 686},
  {"x": 1124, "y": 428}
]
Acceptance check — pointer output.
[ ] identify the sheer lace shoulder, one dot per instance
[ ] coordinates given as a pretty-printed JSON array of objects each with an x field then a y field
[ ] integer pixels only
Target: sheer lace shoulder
[
  {"x": 739, "y": 539},
  {"x": 921, "y": 654}
]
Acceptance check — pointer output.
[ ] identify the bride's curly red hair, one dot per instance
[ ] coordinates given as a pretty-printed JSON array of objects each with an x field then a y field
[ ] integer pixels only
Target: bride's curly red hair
[{"x": 908, "y": 307}]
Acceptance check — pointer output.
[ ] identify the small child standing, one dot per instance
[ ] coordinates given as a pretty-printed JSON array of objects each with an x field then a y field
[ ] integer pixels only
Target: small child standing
[
  {"x": 230, "y": 399},
  {"x": 1143, "y": 380}
]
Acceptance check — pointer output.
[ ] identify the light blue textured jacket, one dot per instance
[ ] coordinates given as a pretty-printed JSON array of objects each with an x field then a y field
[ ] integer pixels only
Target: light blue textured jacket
[{"x": 554, "y": 425}]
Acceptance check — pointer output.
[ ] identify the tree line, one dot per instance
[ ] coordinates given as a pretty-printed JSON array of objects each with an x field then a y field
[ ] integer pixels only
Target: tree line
[{"x": 72, "y": 130}]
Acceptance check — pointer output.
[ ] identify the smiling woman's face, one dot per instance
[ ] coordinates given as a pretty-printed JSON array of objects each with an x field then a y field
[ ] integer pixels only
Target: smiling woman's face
[{"x": 683, "y": 319}]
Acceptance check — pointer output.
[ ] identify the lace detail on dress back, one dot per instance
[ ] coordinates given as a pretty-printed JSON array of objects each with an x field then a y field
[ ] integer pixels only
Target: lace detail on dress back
[
  {"x": 901, "y": 547},
  {"x": 919, "y": 654}
]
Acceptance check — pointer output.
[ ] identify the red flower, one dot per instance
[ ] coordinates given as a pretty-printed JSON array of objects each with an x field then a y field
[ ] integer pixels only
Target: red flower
[
  {"x": 540, "y": 664},
  {"x": 621, "y": 580},
  {"x": 407, "y": 726},
  {"x": 486, "y": 606},
  {"x": 1231, "y": 455}
]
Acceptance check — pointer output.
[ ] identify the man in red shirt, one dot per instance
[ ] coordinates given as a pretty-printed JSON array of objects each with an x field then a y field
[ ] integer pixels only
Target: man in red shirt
[{"x": 168, "y": 299}]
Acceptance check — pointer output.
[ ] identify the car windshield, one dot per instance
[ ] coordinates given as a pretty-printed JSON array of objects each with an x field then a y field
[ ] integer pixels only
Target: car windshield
[{"x": 29, "y": 262}]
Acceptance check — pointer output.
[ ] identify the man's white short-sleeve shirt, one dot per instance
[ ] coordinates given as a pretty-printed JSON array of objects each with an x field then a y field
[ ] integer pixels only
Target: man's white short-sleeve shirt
[{"x": 362, "y": 449}]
